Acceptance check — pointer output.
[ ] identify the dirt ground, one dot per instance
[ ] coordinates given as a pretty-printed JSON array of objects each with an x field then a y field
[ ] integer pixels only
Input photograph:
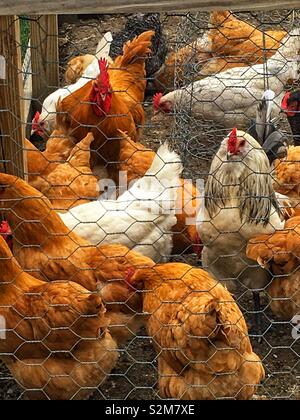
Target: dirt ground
[{"x": 135, "y": 376}]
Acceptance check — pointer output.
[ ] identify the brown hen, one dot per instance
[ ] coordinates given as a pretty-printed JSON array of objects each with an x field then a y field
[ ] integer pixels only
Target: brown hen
[
  {"x": 58, "y": 149},
  {"x": 279, "y": 253},
  {"x": 72, "y": 183},
  {"x": 287, "y": 176},
  {"x": 199, "y": 333},
  {"x": 76, "y": 67},
  {"x": 44, "y": 246},
  {"x": 229, "y": 43},
  {"x": 57, "y": 343}
]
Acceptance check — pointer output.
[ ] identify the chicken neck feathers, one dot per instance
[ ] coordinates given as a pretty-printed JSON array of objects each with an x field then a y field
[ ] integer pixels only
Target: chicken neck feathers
[{"x": 246, "y": 186}]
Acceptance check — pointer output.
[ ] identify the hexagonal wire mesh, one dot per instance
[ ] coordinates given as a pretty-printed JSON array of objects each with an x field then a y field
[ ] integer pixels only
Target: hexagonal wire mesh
[{"x": 102, "y": 321}]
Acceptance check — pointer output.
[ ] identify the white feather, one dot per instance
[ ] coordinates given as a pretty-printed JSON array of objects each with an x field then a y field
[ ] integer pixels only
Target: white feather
[
  {"x": 103, "y": 47},
  {"x": 268, "y": 95},
  {"x": 141, "y": 218}
]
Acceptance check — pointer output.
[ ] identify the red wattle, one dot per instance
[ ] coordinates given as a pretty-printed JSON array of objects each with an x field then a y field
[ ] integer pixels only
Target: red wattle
[{"x": 100, "y": 107}]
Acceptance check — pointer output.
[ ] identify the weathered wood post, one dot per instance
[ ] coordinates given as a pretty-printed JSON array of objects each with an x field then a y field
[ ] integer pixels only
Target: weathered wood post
[
  {"x": 12, "y": 124},
  {"x": 44, "y": 57}
]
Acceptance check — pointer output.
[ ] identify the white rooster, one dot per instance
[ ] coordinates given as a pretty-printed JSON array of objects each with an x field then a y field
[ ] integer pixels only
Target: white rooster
[
  {"x": 45, "y": 121},
  {"x": 141, "y": 218},
  {"x": 239, "y": 203},
  {"x": 230, "y": 98}
]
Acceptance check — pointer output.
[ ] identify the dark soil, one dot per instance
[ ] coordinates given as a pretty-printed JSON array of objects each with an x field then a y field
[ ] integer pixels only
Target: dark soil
[{"x": 135, "y": 375}]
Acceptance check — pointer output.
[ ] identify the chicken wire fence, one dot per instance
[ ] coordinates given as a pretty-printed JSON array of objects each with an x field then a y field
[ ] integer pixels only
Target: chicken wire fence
[{"x": 133, "y": 329}]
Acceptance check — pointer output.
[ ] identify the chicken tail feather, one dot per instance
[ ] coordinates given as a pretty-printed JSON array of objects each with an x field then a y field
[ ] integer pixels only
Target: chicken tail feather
[{"x": 136, "y": 50}]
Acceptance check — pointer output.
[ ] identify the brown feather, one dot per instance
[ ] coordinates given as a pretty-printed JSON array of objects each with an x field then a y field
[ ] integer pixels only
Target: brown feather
[
  {"x": 45, "y": 247},
  {"x": 127, "y": 80},
  {"x": 199, "y": 333}
]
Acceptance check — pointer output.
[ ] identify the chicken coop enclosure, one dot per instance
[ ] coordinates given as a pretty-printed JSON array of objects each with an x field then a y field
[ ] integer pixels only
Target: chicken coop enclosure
[{"x": 149, "y": 199}]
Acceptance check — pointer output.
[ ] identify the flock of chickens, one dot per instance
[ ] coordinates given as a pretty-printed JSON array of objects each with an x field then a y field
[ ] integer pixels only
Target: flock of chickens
[{"x": 83, "y": 270}]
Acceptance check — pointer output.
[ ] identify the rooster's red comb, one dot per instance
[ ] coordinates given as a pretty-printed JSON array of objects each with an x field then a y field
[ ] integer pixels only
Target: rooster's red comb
[
  {"x": 232, "y": 141},
  {"x": 36, "y": 117},
  {"x": 284, "y": 102},
  {"x": 35, "y": 121},
  {"x": 102, "y": 63},
  {"x": 156, "y": 100},
  {"x": 103, "y": 77}
]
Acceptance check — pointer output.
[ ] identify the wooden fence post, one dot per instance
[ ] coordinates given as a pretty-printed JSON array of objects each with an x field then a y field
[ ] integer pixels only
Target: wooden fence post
[
  {"x": 44, "y": 57},
  {"x": 12, "y": 124}
]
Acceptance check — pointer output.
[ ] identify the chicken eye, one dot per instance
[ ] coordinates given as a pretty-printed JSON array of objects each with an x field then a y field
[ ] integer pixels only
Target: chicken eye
[{"x": 242, "y": 143}]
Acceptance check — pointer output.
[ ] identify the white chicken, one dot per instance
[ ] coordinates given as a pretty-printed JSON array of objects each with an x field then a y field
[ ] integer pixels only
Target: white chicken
[
  {"x": 239, "y": 203},
  {"x": 141, "y": 218},
  {"x": 230, "y": 98},
  {"x": 44, "y": 122}
]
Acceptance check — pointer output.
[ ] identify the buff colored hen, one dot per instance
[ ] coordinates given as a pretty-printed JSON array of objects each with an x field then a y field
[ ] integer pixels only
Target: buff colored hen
[
  {"x": 57, "y": 343},
  {"x": 231, "y": 36},
  {"x": 58, "y": 149},
  {"x": 86, "y": 65},
  {"x": 44, "y": 246},
  {"x": 199, "y": 333},
  {"x": 287, "y": 176},
  {"x": 41, "y": 164},
  {"x": 279, "y": 253}
]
